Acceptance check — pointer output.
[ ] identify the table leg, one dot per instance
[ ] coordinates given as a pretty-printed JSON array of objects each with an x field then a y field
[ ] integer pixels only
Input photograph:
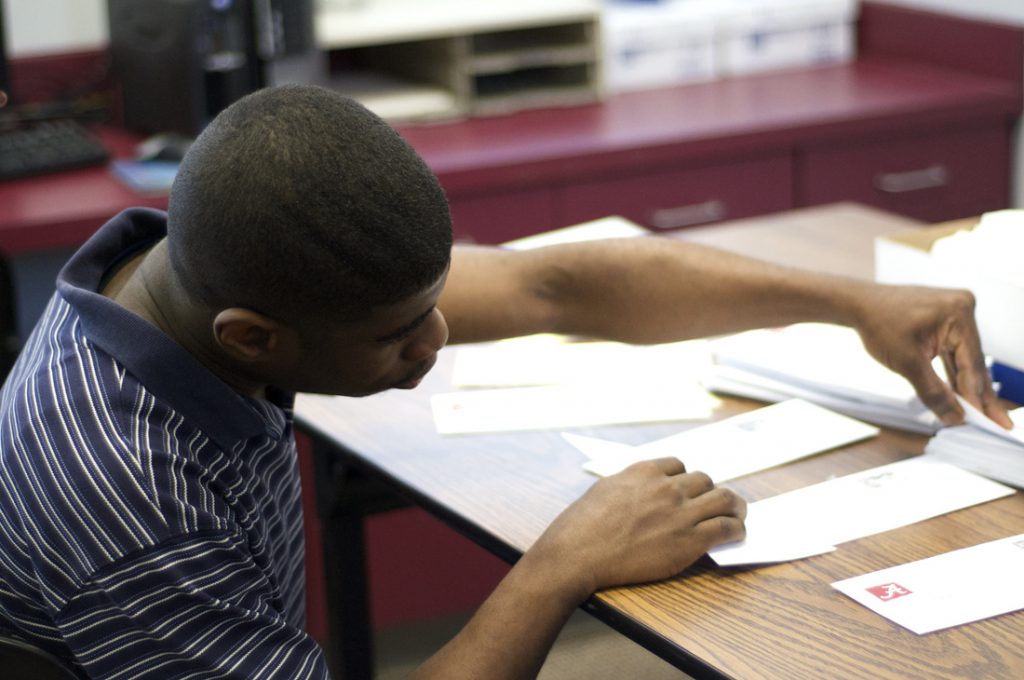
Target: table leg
[{"x": 345, "y": 497}]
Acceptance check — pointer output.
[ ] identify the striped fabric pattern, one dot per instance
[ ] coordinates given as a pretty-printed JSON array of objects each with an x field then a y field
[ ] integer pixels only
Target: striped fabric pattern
[{"x": 137, "y": 539}]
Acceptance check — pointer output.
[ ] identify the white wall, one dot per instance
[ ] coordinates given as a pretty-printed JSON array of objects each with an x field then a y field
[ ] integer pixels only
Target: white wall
[
  {"x": 36, "y": 26},
  {"x": 1007, "y": 11},
  {"x": 46, "y": 26}
]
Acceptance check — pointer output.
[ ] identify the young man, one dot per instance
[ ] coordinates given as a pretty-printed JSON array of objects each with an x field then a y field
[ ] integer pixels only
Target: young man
[{"x": 149, "y": 503}]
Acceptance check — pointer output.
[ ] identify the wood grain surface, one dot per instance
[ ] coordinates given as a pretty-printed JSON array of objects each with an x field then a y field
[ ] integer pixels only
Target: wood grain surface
[{"x": 782, "y": 621}]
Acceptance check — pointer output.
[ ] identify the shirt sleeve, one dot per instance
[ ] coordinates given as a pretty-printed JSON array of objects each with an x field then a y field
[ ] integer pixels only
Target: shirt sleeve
[{"x": 190, "y": 607}]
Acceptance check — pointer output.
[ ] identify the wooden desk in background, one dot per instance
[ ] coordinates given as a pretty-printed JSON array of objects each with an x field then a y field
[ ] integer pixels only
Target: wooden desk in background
[{"x": 783, "y": 621}]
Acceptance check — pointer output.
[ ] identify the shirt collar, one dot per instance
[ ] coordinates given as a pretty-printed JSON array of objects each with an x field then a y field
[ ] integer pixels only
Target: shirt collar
[{"x": 163, "y": 366}]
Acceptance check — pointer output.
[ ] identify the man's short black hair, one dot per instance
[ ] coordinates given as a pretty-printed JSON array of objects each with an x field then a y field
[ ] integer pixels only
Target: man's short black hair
[{"x": 296, "y": 200}]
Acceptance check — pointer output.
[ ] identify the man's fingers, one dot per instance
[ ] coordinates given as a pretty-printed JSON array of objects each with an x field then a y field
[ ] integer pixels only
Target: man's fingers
[
  {"x": 721, "y": 529},
  {"x": 667, "y": 466},
  {"x": 969, "y": 375},
  {"x": 720, "y": 501},
  {"x": 979, "y": 392},
  {"x": 991, "y": 407},
  {"x": 936, "y": 394},
  {"x": 949, "y": 363},
  {"x": 975, "y": 384},
  {"x": 695, "y": 484}
]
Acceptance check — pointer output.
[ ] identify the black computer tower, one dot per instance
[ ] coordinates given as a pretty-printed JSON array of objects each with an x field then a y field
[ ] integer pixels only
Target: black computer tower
[
  {"x": 179, "y": 62},
  {"x": 5, "y": 76}
]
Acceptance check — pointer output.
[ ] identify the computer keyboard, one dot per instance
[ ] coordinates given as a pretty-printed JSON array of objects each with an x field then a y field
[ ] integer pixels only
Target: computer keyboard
[{"x": 48, "y": 146}]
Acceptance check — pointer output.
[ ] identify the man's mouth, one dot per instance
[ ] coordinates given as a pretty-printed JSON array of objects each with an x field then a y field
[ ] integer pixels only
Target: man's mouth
[{"x": 416, "y": 377}]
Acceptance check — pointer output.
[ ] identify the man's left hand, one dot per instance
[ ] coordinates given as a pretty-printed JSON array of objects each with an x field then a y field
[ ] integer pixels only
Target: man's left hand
[{"x": 906, "y": 327}]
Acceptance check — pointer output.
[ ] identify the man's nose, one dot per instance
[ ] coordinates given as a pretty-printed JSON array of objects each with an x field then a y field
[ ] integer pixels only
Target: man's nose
[{"x": 428, "y": 338}]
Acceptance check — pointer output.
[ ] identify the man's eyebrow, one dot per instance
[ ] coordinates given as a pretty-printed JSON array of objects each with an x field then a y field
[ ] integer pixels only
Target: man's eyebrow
[{"x": 407, "y": 329}]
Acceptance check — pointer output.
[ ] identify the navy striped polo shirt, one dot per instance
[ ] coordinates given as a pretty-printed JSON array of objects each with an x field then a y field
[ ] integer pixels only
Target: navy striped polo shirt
[{"x": 150, "y": 516}]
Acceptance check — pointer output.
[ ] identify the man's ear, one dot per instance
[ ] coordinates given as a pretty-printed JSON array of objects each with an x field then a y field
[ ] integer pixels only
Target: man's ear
[{"x": 248, "y": 335}]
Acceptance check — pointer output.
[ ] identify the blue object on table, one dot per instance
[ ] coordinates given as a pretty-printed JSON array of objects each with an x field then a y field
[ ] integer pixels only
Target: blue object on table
[
  {"x": 1011, "y": 382},
  {"x": 146, "y": 177}
]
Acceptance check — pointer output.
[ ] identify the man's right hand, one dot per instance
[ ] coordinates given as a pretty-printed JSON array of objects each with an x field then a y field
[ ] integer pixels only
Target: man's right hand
[{"x": 647, "y": 523}]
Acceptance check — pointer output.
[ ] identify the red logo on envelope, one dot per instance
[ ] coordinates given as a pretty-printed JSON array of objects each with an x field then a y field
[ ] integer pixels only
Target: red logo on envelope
[{"x": 888, "y": 591}]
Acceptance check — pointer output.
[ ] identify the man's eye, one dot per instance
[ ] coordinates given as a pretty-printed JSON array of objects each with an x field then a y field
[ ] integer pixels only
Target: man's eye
[{"x": 400, "y": 337}]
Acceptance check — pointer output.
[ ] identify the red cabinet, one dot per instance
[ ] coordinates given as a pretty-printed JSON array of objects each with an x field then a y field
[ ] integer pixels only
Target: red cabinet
[
  {"x": 503, "y": 216},
  {"x": 945, "y": 174},
  {"x": 686, "y": 197},
  {"x": 926, "y": 142},
  {"x": 659, "y": 200}
]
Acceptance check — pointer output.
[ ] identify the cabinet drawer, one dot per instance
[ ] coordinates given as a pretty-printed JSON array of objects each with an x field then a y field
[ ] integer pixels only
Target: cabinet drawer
[
  {"x": 500, "y": 217},
  {"x": 940, "y": 176},
  {"x": 687, "y": 197}
]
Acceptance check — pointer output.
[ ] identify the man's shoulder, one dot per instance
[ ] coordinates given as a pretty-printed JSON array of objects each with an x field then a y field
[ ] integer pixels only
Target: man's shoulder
[
  {"x": 98, "y": 468},
  {"x": 73, "y": 414},
  {"x": 63, "y": 380}
]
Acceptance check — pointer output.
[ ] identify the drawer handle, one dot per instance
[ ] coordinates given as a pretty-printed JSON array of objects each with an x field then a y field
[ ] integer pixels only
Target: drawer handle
[
  {"x": 688, "y": 215},
  {"x": 901, "y": 182}
]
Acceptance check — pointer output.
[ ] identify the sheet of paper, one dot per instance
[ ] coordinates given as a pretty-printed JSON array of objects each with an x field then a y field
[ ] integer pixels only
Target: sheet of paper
[
  {"x": 554, "y": 407},
  {"x": 551, "y": 360},
  {"x": 819, "y": 356},
  {"x": 778, "y": 549},
  {"x": 857, "y": 505},
  {"x": 745, "y": 443},
  {"x": 599, "y": 449},
  {"x": 982, "y": 446},
  {"x": 914, "y": 417},
  {"x": 974, "y": 417},
  {"x": 606, "y": 227},
  {"x": 947, "y": 590}
]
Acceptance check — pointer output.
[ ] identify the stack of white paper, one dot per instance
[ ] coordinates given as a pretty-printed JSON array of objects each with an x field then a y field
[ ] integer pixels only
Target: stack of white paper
[
  {"x": 981, "y": 446},
  {"x": 559, "y": 406},
  {"x": 548, "y": 381},
  {"x": 822, "y": 363},
  {"x": 946, "y": 590},
  {"x": 736, "y": 446},
  {"x": 556, "y": 360}
]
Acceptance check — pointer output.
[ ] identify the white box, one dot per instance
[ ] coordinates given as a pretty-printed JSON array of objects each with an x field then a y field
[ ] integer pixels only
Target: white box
[
  {"x": 765, "y": 35},
  {"x": 906, "y": 257},
  {"x": 648, "y": 45}
]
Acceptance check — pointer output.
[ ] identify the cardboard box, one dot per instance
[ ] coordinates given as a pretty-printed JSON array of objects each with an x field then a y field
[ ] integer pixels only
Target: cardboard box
[
  {"x": 765, "y": 35},
  {"x": 672, "y": 42},
  {"x": 906, "y": 257},
  {"x": 648, "y": 45}
]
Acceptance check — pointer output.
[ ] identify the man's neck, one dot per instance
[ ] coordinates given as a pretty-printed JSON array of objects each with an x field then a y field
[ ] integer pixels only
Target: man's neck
[{"x": 145, "y": 286}]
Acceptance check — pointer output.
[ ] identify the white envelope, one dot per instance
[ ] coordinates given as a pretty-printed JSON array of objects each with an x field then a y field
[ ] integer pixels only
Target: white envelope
[
  {"x": 946, "y": 590},
  {"x": 854, "y": 506},
  {"x": 555, "y": 407},
  {"x": 742, "y": 444},
  {"x": 552, "y": 360}
]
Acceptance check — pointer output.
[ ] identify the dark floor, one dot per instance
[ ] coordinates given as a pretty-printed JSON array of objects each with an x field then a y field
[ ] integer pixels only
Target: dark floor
[{"x": 586, "y": 649}]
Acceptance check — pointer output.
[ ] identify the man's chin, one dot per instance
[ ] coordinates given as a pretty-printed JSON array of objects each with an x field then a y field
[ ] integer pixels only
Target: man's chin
[
  {"x": 409, "y": 384},
  {"x": 414, "y": 379}
]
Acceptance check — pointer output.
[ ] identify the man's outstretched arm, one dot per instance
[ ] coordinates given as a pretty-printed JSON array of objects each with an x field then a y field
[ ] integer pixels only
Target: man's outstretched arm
[{"x": 649, "y": 290}]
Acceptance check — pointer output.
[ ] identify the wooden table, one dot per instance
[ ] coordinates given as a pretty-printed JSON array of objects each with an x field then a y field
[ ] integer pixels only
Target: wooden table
[{"x": 782, "y": 621}]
